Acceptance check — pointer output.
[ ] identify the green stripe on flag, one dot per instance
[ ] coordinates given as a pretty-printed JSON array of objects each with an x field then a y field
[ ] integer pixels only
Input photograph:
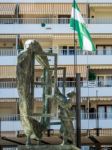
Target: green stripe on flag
[
  {"x": 74, "y": 5},
  {"x": 77, "y": 24}
]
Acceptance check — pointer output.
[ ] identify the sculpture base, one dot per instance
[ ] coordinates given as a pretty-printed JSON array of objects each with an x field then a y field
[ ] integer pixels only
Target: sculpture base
[{"x": 48, "y": 147}]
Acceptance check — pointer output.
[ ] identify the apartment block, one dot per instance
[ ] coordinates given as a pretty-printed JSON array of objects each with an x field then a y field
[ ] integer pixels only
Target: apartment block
[{"x": 47, "y": 21}]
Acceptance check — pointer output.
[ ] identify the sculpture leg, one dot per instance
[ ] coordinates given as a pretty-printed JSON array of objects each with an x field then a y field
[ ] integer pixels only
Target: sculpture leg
[
  {"x": 28, "y": 141},
  {"x": 39, "y": 142}
]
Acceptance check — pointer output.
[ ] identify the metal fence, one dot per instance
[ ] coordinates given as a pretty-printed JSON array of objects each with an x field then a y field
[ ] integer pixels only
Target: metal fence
[
  {"x": 10, "y": 84},
  {"x": 44, "y": 21},
  {"x": 84, "y": 116},
  {"x": 8, "y": 52},
  {"x": 61, "y": 52},
  {"x": 68, "y": 84}
]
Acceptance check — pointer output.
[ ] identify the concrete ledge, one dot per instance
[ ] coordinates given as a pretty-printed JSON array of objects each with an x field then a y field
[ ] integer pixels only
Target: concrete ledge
[{"x": 48, "y": 147}]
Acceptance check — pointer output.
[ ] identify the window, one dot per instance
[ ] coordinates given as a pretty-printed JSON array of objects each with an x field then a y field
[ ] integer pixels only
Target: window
[
  {"x": 71, "y": 50},
  {"x": 100, "y": 81},
  {"x": 63, "y": 19},
  {"x": 60, "y": 82},
  {"x": 101, "y": 111},
  {"x": 108, "y": 81},
  {"x": 108, "y": 50},
  {"x": 109, "y": 111},
  {"x": 100, "y": 50},
  {"x": 104, "y": 49},
  {"x": 105, "y": 111},
  {"x": 66, "y": 50}
]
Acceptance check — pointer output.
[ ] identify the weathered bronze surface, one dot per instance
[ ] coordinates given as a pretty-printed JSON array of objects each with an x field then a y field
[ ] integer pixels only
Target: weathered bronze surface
[{"x": 25, "y": 85}]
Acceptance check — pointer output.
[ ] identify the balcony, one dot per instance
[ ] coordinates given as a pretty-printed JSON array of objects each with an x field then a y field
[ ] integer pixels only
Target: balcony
[
  {"x": 52, "y": 25},
  {"x": 9, "y": 57},
  {"x": 34, "y": 26},
  {"x": 46, "y": 21},
  {"x": 9, "y": 90},
  {"x": 88, "y": 121}
]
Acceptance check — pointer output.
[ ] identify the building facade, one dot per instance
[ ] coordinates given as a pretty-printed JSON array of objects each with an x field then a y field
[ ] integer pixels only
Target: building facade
[{"x": 47, "y": 21}]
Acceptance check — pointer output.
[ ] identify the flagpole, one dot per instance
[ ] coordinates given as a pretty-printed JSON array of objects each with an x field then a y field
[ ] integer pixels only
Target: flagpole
[
  {"x": 78, "y": 98},
  {"x": 85, "y": 41}
]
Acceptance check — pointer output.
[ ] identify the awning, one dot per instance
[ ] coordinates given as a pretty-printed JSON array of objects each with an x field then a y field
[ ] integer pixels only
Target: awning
[
  {"x": 7, "y": 9},
  {"x": 7, "y": 100},
  {"x": 97, "y": 99},
  {"x": 84, "y": 9},
  {"x": 35, "y": 9},
  {"x": 70, "y": 70},
  {"x": 7, "y": 71},
  {"x": 101, "y": 67},
  {"x": 49, "y": 8},
  {"x": 3, "y": 36},
  {"x": 100, "y": 4},
  {"x": 43, "y": 9}
]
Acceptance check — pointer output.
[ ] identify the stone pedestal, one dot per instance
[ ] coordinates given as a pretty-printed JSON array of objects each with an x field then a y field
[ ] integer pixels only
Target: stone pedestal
[{"x": 48, "y": 147}]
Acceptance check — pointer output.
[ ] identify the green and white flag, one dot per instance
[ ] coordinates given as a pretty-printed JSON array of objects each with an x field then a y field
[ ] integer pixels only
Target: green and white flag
[{"x": 77, "y": 23}]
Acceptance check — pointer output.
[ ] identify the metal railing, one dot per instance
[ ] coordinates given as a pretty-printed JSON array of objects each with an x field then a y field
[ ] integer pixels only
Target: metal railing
[
  {"x": 68, "y": 84},
  {"x": 41, "y": 21},
  {"x": 100, "y": 116},
  {"x": 85, "y": 84},
  {"x": 93, "y": 132},
  {"x": 14, "y": 120},
  {"x": 10, "y": 84},
  {"x": 98, "y": 20},
  {"x": 12, "y": 117},
  {"x": 61, "y": 52},
  {"x": 84, "y": 116},
  {"x": 66, "y": 52},
  {"x": 8, "y": 52},
  {"x": 44, "y": 21}
]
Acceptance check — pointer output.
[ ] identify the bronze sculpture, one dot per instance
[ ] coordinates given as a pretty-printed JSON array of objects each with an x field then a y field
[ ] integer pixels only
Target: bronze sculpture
[{"x": 25, "y": 85}]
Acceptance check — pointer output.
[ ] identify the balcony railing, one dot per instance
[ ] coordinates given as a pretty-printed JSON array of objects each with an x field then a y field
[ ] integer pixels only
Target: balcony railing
[
  {"x": 66, "y": 52},
  {"x": 8, "y": 52},
  {"x": 44, "y": 21},
  {"x": 84, "y": 116},
  {"x": 10, "y": 84},
  {"x": 100, "y": 116},
  {"x": 12, "y": 123},
  {"x": 62, "y": 52},
  {"x": 41, "y": 21},
  {"x": 101, "y": 132},
  {"x": 84, "y": 84}
]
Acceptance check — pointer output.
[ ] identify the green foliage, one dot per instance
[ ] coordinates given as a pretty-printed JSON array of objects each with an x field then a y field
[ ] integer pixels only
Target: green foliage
[{"x": 92, "y": 75}]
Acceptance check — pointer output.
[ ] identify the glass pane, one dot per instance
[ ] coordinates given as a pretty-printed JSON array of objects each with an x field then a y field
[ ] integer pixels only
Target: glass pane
[
  {"x": 100, "y": 50},
  {"x": 108, "y": 50},
  {"x": 64, "y": 52},
  {"x": 71, "y": 52},
  {"x": 108, "y": 81},
  {"x": 101, "y": 111},
  {"x": 109, "y": 111}
]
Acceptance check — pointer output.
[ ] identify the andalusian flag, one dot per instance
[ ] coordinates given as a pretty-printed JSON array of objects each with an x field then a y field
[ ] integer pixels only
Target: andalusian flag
[{"x": 77, "y": 23}]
